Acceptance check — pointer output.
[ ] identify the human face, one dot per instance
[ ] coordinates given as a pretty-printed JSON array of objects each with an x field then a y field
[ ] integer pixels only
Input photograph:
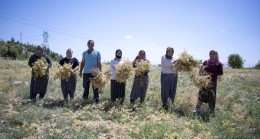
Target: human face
[
  {"x": 170, "y": 52},
  {"x": 91, "y": 45},
  {"x": 119, "y": 53},
  {"x": 142, "y": 55},
  {"x": 69, "y": 54},
  {"x": 213, "y": 55}
]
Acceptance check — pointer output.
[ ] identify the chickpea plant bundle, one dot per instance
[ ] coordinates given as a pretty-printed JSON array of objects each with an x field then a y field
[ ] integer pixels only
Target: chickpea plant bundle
[
  {"x": 201, "y": 81},
  {"x": 99, "y": 79},
  {"x": 185, "y": 62},
  {"x": 64, "y": 72},
  {"x": 38, "y": 68},
  {"x": 108, "y": 73},
  {"x": 142, "y": 67},
  {"x": 123, "y": 71}
]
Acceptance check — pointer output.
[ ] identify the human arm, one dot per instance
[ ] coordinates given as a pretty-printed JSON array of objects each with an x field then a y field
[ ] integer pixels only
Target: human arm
[
  {"x": 82, "y": 64},
  {"x": 31, "y": 60},
  {"x": 48, "y": 61},
  {"x": 99, "y": 64}
]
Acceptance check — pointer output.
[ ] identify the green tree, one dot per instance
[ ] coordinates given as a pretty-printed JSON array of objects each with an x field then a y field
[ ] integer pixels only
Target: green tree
[
  {"x": 257, "y": 66},
  {"x": 235, "y": 61}
]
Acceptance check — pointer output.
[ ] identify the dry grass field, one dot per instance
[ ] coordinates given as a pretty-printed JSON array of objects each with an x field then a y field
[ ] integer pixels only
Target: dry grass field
[{"x": 237, "y": 112}]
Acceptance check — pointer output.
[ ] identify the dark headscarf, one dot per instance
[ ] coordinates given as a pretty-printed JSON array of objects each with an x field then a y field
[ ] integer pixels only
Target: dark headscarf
[
  {"x": 39, "y": 50},
  {"x": 168, "y": 49},
  {"x": 116, "y": 52}
]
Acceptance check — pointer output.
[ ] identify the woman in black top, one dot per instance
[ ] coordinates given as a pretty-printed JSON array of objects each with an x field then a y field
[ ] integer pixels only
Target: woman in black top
[
  {"x": 39, "y": 84},
  {"x": 68, "y": 87}
]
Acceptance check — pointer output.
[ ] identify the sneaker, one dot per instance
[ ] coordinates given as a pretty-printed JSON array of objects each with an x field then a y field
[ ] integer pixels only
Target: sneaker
[{"x": 196, "y": 110}]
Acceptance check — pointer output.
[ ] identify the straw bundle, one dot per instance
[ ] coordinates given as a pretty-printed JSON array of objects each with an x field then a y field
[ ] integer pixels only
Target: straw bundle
[
  {"x": 99, "y": 79},
  {"x": 108, "y": 73},
  {"x": 38, "y": 68},
  {"x": 203, "y": 81},
  {"x": 185, "y": 62},
  {"x": 123, "y": 71},
  {"x": 142, "y": 67},
  {"x": 64, "y": 72}
]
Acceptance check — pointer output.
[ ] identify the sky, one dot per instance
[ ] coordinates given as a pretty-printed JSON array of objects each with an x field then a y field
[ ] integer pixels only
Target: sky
[{"x": 195, "y": 26}]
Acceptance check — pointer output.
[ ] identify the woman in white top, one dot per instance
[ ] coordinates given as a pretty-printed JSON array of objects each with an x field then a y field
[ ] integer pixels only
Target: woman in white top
[
  {"x": 168, "y": 77},
  {"x": 117, "y": 89}
]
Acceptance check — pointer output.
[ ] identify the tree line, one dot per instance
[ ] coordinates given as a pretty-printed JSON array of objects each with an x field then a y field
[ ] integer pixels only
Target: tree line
[{"x": 14, "y": 50}]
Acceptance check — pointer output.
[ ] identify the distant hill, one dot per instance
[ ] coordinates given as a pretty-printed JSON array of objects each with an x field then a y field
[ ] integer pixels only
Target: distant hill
[{"x": 15, "y": 50}]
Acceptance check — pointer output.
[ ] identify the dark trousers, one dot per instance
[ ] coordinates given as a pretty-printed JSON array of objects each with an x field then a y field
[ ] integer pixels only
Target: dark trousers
[
  {"x": 86, "y": 86},
  {"x": 68, "y": 87},
  {"x": 208, "y": 96},
  {"x": 38, "y": 86},
  {"x": 117, "y": 90}
]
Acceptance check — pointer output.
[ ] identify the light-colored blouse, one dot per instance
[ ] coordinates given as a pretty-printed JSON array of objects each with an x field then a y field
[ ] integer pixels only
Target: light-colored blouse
[{"x": 167, "y": 65}]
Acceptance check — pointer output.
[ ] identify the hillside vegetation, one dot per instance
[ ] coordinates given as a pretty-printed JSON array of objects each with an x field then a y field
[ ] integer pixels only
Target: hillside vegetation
[{"x": 237, "y": 112}]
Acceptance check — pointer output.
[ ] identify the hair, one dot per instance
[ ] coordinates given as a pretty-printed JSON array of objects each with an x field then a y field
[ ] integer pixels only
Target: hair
[
  {"x": 90, "y": 41},
  {"x": 70, "y": 50}
]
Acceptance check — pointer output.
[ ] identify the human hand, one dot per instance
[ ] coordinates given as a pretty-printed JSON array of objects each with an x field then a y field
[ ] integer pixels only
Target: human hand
[{"x": 80, "y": 74}]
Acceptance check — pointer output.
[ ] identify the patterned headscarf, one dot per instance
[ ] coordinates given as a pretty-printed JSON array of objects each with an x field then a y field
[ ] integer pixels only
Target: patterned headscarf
[
  {"x": 138, "y": 58},
  {"x": 213, "y": 61},
  {"x": 168, "y": 49}
]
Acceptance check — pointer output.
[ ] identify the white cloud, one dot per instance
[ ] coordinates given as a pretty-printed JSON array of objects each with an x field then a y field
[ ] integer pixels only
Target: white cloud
[{"x": 128, "y": 36}]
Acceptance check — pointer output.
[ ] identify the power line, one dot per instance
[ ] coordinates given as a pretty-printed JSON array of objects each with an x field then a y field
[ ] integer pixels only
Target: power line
[{"x": 51, "y": 28}]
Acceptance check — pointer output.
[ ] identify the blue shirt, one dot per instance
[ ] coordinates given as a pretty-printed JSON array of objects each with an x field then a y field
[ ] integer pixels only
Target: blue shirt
[{"x": 91, "y": 60}]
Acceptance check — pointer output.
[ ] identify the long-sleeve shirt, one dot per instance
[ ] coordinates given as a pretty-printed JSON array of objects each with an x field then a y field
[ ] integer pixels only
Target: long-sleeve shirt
[
  {"x": 33, "y": 58},
  {"x": 113, "y": 64},
  {"x": 215, "y": 69},
  {"x": 167, "y": 65}
]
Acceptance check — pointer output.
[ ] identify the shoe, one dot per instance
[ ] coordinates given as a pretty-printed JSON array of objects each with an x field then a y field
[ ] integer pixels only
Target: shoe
[
  {"x": 33, "y": 100},
  {"x": 97, "y": 100},
  {"x": 165, "y": 107},
  {"x": 196, "y": 110},
  {"x": 132, "y": 101},
  {"x": 71, "y": 99}
]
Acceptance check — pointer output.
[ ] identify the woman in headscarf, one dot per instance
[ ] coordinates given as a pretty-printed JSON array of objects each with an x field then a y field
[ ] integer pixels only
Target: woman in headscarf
[
  {"x": 168, "y": 78},
  {"x": 117, "y": 88},
  {"x": 214, "y": 68},
  {"x": 140, "y": 81},
  {"x": 68, "y": 87},
  {"x": 39, "y": 84}
]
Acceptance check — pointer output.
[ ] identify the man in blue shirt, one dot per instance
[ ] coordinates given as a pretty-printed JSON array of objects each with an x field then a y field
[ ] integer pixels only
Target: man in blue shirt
[{"x": 90, "y": 59}]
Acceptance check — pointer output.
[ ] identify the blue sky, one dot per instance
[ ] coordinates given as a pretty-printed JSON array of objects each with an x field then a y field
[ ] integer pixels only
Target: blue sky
[{"x": 198, "y": 26}]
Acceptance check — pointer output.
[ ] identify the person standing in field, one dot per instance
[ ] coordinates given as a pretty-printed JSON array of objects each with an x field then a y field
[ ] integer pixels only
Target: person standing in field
[
  {"x": 91, "y": 59},
  {"x": 169, "y": 78},
  {"x": 140, "y": 81},
  {"x": 68, "y": 87},
  {"x": 39, "y": 84},
  {"x": 117, "y": 89},
  {"x": 214, "y": 68}
]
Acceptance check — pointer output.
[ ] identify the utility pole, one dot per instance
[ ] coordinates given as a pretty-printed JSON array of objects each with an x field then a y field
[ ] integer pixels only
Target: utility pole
[
  {"x": 45, "y": 39},
  {"x": 21, "y": 37}
]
